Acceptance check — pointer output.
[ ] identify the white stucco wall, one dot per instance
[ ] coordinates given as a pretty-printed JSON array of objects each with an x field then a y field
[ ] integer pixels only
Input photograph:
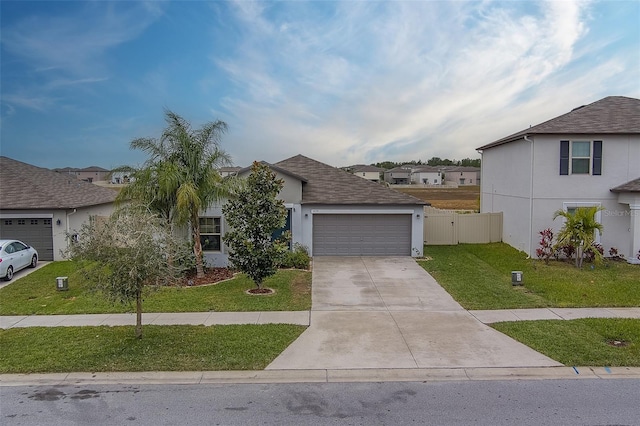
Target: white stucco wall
[
  {"x": 419, "y": 177},
  {"x": 507, "y": 186}
]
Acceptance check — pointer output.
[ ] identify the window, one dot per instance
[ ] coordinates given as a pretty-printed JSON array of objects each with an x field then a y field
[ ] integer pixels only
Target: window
[
  {"x": 570, "y": 207},
  {"x": 22, "y": 222},
  {"x": 8, "y": 222},
  {"x": 34, "y": 221},
  {"x": 47, "y": 221},
  {"x": 210, "y": 233},
  {"x": 581, "y": 158}
]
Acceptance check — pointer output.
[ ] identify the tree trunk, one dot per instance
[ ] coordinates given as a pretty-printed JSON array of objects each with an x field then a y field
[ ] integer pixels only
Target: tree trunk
[
  {"x": 138, "y": 314},
  {"x": 197, "y": 246}
]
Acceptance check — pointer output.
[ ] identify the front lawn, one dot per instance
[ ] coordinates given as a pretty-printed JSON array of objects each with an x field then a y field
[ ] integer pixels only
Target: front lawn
[
  {"x": 478, "y": 276},
  {"x": 36, "y": 294},
  {"x": 163, "y": 348},
  {"x": 582, "y": 342}
]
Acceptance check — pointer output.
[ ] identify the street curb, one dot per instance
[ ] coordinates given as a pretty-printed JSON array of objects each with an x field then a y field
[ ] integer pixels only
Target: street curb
[{"x": 321, "y": 376}]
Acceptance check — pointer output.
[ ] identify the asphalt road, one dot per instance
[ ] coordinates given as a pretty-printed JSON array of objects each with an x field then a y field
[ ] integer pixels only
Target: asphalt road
[{"x": 533, "y": 402}]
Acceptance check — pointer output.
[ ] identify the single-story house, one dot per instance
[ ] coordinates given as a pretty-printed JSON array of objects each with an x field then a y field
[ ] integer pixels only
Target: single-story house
[
  {"x": 589, "y": 156},
  {"x": 332, "y": 213},
  {"x": 40, "y": 206}
]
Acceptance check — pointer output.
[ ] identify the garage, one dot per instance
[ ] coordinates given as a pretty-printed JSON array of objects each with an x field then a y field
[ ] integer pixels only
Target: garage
[
  {"x": 362, "y": 235},
  {"x": 35, "y": 232}
]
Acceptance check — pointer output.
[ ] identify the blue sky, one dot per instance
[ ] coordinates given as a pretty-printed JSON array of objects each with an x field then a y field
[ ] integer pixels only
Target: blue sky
[{"x": 342, "y": 82}]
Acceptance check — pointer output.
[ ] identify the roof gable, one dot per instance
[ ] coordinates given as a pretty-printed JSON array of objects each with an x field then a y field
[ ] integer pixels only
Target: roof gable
[
  {"x": 611, "y": 115},
  {"x": 24, "y": 186},
  {"x": 329, "y": 185}
]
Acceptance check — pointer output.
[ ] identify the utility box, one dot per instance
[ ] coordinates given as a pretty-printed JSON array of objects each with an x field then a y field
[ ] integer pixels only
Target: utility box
[
  {"x": 516, "y": 277},
  {"x": 62, "y": 283}
]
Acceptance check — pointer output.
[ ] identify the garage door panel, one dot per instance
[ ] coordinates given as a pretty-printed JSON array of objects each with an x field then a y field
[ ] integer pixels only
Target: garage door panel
[
  {"x": 362, "y": 235},
  {"x": 36, "y": 232}
]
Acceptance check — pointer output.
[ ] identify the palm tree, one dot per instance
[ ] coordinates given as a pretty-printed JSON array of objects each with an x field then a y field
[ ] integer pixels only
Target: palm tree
[
  {"x": 180, "y": 177},
  {"x": 579, "y": 230}
]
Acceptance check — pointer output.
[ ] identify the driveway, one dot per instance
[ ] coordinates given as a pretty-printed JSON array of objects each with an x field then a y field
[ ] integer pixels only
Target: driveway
[{"x": 388, "y": 312}]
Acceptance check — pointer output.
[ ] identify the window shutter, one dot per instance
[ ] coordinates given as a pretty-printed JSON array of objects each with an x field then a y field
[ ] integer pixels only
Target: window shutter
[
  {"x": 564, "y": 157},
  {"x": 597, "y": 158}
]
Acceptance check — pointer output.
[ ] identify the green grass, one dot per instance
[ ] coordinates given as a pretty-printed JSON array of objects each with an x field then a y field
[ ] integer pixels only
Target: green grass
[
  {"x": 478, "y": 276},
  {"x": 36, "y": 294},
  {"x": 581, "y": 342},
  {"x": 162, "y": 348}
]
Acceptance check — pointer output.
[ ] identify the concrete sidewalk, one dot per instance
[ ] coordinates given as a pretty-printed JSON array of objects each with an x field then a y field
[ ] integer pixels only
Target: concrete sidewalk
[
  {"x": 184, "y": 318},
  {"x": 501, "y": 315},
  {"x": 290, "y": 317}
]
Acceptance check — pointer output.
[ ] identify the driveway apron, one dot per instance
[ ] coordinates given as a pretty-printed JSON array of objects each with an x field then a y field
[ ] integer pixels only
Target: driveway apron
[{"x": 388, "y": 312}]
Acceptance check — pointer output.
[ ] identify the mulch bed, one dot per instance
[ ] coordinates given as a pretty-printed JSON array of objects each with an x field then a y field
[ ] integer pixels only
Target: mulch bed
[{"x": 211, "y": 276}]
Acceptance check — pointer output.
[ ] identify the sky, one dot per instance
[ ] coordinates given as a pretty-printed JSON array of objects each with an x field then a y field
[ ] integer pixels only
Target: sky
[{"x": 346, "y": 82}]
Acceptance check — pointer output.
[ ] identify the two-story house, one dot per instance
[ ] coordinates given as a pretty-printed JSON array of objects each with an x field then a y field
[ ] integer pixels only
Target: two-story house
[
  {"x": 588, "y": 156},
  {"x": 426, "y": 175},
  {"x": 365, "y": 171},
  {"x": 398, "y": 175}
]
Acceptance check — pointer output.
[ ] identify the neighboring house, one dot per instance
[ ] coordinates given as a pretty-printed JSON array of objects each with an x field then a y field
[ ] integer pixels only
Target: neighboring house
[
  {"x": 229, "y": 171},
  {"x": 333, "y": 213},
  {"x": 461, "y": 175},
  {"x": 366, "y": 172},
  {"x": 426, "y": 175},
  {"x": 89, "y": 174},
  {"x": 40, "y": 206},
  {"x": 587, "y": 157},
  {"x": 398, "y": 175}
]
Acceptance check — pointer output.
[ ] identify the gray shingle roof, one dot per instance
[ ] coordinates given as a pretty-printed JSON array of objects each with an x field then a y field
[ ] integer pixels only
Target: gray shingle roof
[
  {"x": 23, "y": 186},
  {"x": 611, "y": 115},
  {"x": 329, "y": 185},
  {"x": 631, "y": 186},
  {"x": 365, "y": 168}
]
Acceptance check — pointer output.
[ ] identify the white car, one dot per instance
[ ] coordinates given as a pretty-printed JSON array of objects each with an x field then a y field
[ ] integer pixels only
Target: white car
[{"x": 14, "y": 256}]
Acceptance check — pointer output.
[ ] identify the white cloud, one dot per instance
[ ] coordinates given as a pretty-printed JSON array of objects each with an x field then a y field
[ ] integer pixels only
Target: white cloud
[{"x": 398, "y": 80}]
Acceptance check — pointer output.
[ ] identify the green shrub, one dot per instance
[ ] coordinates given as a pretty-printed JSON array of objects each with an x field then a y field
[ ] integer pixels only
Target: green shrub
[{"x": 298, "y": 258}]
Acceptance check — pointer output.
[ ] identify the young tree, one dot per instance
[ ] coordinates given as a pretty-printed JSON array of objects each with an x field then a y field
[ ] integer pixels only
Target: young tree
[
  {"x": 127, "y": 254},
  {"x": 180, "y": 178},
  {"x": 253, "y": 215},
  {"x": 579, "y": 230}
]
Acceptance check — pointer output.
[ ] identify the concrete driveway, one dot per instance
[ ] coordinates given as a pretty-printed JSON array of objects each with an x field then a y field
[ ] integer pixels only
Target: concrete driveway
[{"x": 388, "y": 312}]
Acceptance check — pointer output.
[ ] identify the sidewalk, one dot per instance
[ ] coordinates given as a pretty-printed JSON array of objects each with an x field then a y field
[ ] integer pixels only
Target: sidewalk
[
  {"x": 184, "y": 318},
  {"x": 290, "y": 317}
]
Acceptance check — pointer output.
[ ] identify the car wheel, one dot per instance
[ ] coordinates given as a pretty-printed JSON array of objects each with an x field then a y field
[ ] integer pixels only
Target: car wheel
[
  {"x": 34, "y": 261},
  {"x": 9, "y": 274}
]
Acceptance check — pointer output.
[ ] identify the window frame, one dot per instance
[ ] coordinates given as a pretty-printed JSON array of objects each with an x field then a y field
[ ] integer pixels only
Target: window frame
[
  {"x": 568, "y": 156},
  {"x": 572, "y": 205},
  {"x": 214, "y": 234}
]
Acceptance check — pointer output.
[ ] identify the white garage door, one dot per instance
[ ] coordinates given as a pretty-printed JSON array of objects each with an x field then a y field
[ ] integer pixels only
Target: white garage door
[
  {"x": 362, "y": 235},
  {"x": 35, "y": 232}
]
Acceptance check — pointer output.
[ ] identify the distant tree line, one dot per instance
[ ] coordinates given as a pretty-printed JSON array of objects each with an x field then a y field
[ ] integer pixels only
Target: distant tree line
[{"x": 433, "y": 161}]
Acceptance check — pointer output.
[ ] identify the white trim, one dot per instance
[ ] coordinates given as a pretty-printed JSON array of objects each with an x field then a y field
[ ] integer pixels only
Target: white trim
[
  {"x": 367, "y": 211},
  {"x": 26, "y": 216}
]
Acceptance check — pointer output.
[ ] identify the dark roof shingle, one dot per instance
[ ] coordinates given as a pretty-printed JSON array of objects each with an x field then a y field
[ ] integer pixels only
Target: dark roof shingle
[
  {"x": 631, "y": 186},
  {"x": 23, "y": 186},
  {"x": 329, "y": 185},
  {"x": 611, "y": 115}
]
